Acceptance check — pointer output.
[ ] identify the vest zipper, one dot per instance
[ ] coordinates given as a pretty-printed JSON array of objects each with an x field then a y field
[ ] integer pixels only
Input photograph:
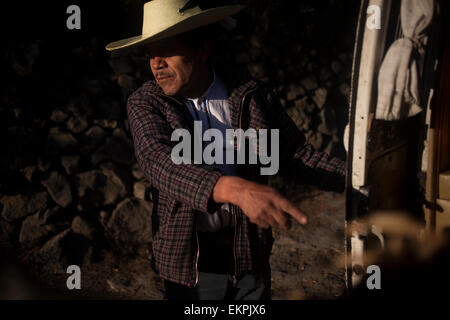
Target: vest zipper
[
  {"x": 197, "y": 255},
  {"x": 241, "y": 111},
  {"x": 234, "y": 278},
  {"x": 234, "y": 250}
]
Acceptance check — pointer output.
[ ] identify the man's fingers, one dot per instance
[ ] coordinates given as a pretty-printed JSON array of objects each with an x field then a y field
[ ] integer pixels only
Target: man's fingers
[
  {"x": 268, "y": 218},
  {"x": 262, "y": 224},
  {"x": 281, "y": 218},
  {"x": 292, "y": 210}
]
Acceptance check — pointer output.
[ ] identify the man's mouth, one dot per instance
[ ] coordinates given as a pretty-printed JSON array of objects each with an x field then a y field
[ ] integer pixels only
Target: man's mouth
[{"x": 162, "y": 77}]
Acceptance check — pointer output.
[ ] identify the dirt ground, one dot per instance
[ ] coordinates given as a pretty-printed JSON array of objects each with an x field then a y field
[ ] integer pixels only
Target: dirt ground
[{"x": 302, "y": 260}]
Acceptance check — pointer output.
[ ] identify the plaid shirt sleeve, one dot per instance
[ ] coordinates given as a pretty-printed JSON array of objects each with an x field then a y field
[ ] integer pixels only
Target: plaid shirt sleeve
[
  {"x": 190, "y": 184},
  {"x": 298, "y": 159}
]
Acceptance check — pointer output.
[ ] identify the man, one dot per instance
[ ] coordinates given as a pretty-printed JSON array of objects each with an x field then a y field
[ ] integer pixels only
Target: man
[{"x": 212, "y": 223}]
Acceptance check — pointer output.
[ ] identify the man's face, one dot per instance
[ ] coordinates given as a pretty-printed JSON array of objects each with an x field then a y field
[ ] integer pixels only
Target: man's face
[{"x": 176, "y": 65}]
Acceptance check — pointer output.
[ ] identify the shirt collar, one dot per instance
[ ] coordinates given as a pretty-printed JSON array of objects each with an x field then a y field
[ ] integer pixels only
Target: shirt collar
[{"x": 207, "y": 91}]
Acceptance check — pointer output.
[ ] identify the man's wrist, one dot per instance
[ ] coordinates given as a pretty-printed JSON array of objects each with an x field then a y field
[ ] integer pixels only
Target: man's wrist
[{"x": 228, "y": 189}]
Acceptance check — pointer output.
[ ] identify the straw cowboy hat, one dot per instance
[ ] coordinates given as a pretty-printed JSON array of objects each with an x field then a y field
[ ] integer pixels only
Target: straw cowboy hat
[{"x": 167, "y": 18}]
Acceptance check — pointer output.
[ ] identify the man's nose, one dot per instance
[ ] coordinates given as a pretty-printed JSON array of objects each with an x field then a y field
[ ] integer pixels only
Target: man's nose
[{"x": 157, "y": 63}]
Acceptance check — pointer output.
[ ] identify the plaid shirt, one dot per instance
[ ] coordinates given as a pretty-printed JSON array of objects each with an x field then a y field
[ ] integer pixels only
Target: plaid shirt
[{"x": 180, "y": 191}]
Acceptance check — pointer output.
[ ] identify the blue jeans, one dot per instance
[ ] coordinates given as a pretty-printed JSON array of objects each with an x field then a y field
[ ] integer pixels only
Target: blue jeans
[{"x": 214, "y": 286}]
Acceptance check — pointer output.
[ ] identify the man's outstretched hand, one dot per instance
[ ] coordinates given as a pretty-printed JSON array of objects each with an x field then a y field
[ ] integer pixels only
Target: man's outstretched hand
[{"x": 263, "y": 205}]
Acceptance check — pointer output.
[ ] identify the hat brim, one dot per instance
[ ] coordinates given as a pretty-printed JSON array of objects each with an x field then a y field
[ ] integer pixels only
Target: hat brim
[{"x": 203, "y": 18}]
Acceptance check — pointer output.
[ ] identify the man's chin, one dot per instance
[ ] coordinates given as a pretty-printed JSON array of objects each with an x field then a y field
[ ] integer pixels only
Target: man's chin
[{"x": 169, "y": 91}]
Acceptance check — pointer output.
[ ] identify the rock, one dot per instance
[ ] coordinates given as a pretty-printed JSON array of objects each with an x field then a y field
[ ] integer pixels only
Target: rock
[
  {"x": 142, "y": 74},
  {"x": 22, "y": 205},
  {"x": 59, "y": 139},
  {"x": 320, "y": 97},
  {"x": 137, "y": 172},
  {"x": 22, "y": 61},
  {"x": 120, "y": 133},
  {"x": 256, "y": 70},
  {"x": 279, "y": 89},
  {"x": 287, "y": 61},
  {"x": 110, "y": 109},
  {"x": 94, "y": 135},
  {"x": 130, "y": 223},
  {"x": 329, "y": 148},
  {"x": 94, "y": 84},
  {"x": 104, "y": 217},
  {"x": 255, "y": 41},
  {"x": 343, "y": 56},
  {"x": 122, "y": 64},
  {"x": 41, "y": 123},
  {"x": 302, "y": 103},
  {"x": 280, "y": 76},
  {"x": 294, "y": 91},
  {"x": 84, "y": 227},
  {"x": 126, "y": 82},
  {"x": 97, "y": 188},
  {"x": 141, "y": 189},
  {"x": 70, "y": 163},
  {"x": 29, "y": 173},
  {"x": 59, "y": 189},
  {"x": 57, "y": 216},
  {"x": 34, "y": 229},
  {"x": 305, "y": 105},
  {"x": 17, "y": 113},
  {"x": 344, "y": 89},
  {"x": 119, "y": 285},
  {"x": 106, "y": 123},
  {"x": 243, "y": 58},
  {"x": 8, "y": 233},
  {"x": 82, "y": 105},
  {"x": 58, "y": 116},
  {"x": 254, "y": 53},
  {"x": 311, "y": 66},
  {"x": 324, "y": 73},
  {"x": 122, "y": 172},
  {"x": 303, "y": 60},
  {"x": 310, "y": 107},
  {"x": 329, "y": 84},
  {"x": 328, "y": 122},
  {"x": 115, "y": 149},
  {"x": 301, "y": 120},
  {"x": 12, "y": 181},
  {"x": 89, "y": 254},
  {"x": 316, "y": 140},
  {"x": 77, "y": 124},
  {"x": 336, "y": 66},
  {"x": 308, "y": 83},
  {"x": 91, "y": 139},
  {"x": 64, "y": 249},
  {"x": 52, "y": 254},
  {"x": 43, "y": 164}
]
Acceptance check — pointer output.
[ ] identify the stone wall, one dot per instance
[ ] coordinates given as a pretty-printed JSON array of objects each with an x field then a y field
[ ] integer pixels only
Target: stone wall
[{"x": 70, "y": 185}]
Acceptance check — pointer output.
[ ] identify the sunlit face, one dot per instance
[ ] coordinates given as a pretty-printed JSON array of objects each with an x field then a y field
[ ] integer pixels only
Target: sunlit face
[{"x": 176, "y": 65}]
